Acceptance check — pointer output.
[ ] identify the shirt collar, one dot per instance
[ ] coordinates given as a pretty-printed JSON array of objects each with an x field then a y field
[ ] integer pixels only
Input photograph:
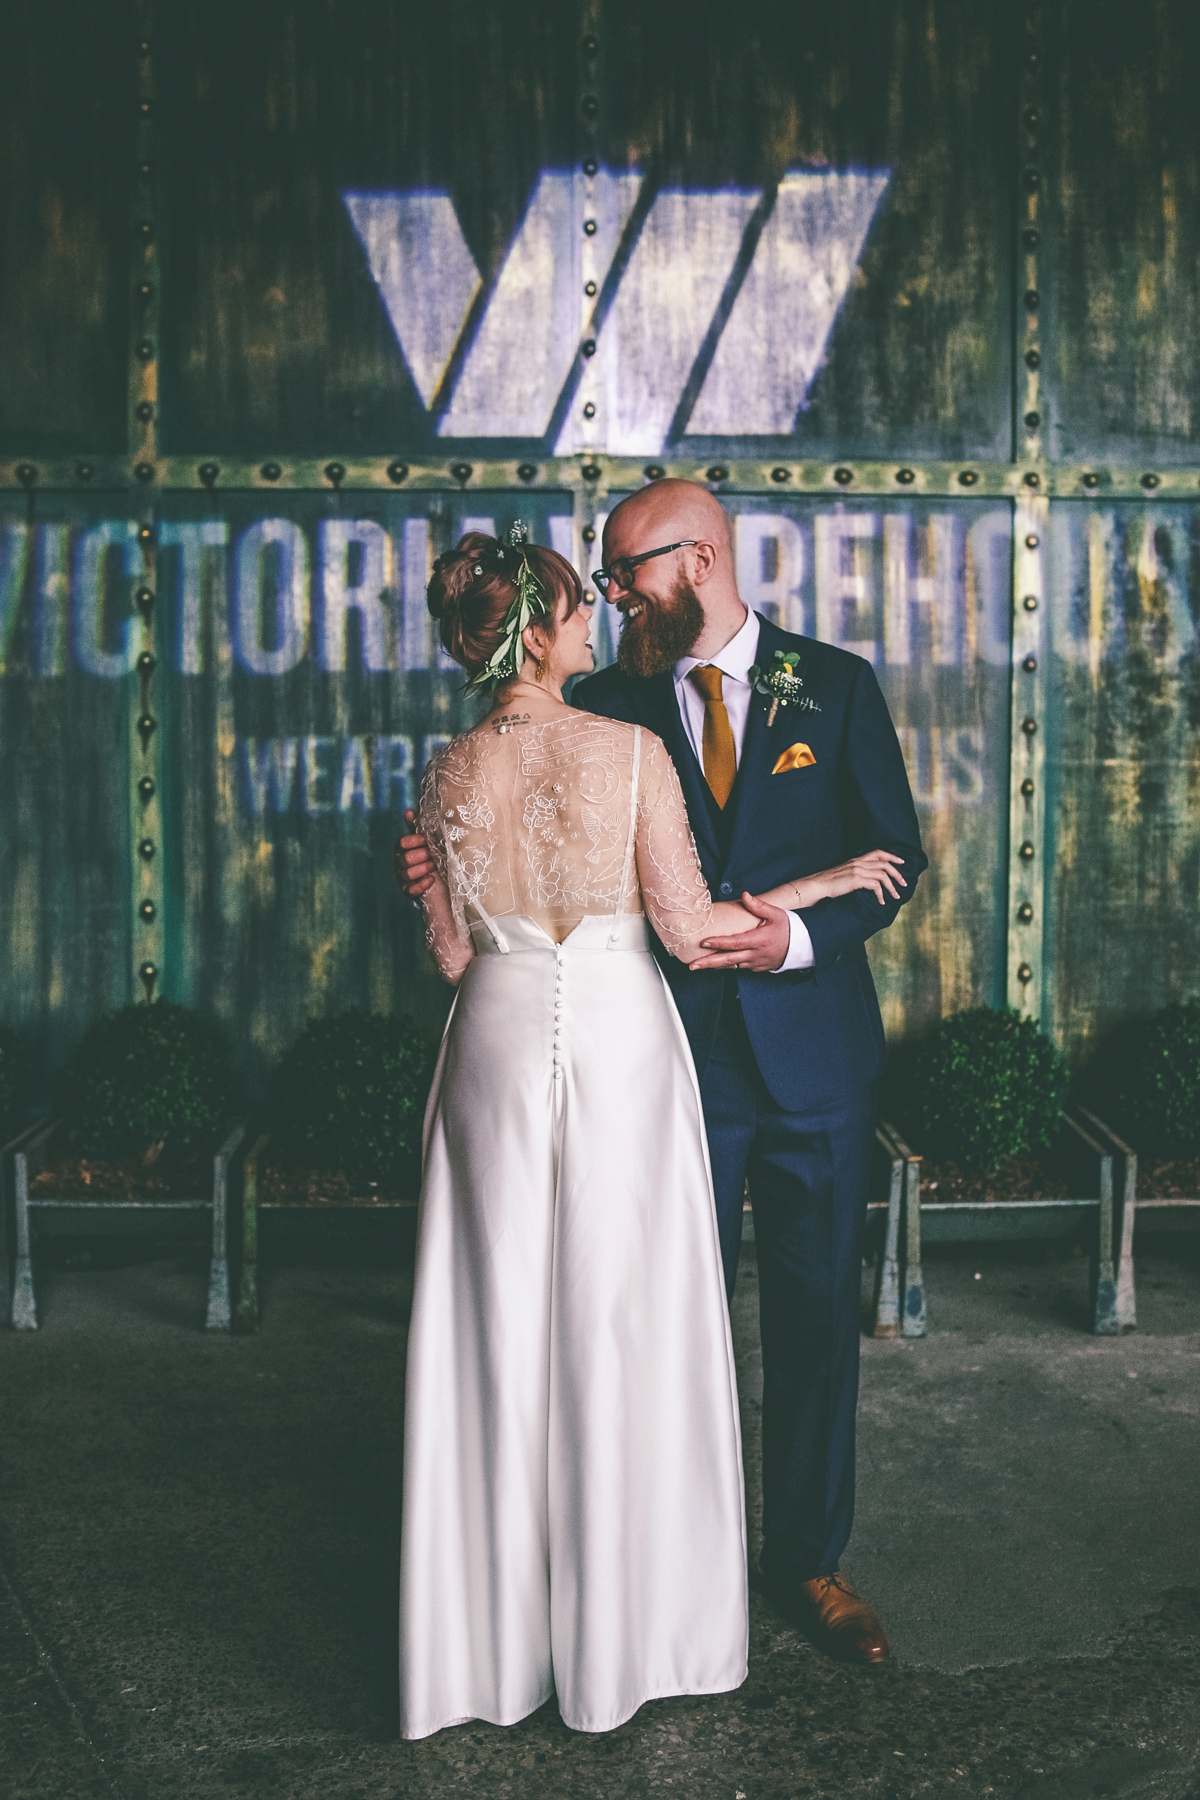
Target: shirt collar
[{"x": 734, "y": 660}]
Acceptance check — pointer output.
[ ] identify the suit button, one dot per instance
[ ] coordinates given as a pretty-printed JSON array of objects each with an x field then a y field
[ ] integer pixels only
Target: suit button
[{"x": 727, "y": 887}]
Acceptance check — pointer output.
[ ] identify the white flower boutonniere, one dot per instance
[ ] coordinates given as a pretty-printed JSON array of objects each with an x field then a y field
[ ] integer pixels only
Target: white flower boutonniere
[{"x": 782, "y": 683}]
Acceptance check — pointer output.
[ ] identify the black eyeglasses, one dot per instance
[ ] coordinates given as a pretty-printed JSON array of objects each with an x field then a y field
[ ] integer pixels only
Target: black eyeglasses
[{"x": 621, "y": 571}]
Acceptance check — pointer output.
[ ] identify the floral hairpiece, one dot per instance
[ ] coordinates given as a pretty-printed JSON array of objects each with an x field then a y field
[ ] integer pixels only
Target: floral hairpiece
[{"x": 528, "y": 604}]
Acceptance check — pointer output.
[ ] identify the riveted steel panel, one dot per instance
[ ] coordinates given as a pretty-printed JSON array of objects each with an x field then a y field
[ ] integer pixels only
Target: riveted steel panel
[
  {"x": 66, "y": 157},
  {"x": 1122, "y": 766},
  {"x": 1122, "y": 241}
]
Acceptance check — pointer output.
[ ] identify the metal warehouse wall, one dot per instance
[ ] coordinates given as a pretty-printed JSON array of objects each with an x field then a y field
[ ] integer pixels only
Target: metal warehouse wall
[{"x": 292, "y": 293}]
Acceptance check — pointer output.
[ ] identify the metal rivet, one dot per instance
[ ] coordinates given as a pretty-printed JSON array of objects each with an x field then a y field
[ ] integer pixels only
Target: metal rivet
[
  {"x": 1024, "y": 973},
  {"x": 144, "y": 471},
  {"x": 145, "y": 171},
  {"x": 1025, "y": 912},
  {"x": 1032, "y": 478},
  {"x": 335, "y": 473},
  {"x": 26, "y": 474},
  {"x": 591, "y": 106},
  {"x": 1033, "y": 180},
  {"x": 1033, "y": 359},
  {"x": 144, "y": 291},
  {"x": 145, "y": 230},
  {"x": 208, "y": 473},
  {"x": 589, "y": 411},
  {"x": 590, "y": 471},
  {"x": 1030, "y": 665},
  {"x": 1149, "y": 481},
  {"x": 967, "y": 477},
  {"x": 461, "y": 471},
  {"x": 1031, "y": 238},
  {"x": 590, "y": 45},
  {"x": 149, "y": 975},
  {"x": 589, "y": 228},
  {"x": 1027, "y": 787},
  {"x": 148, "y": 911},
  {"x": 1090, "y": 480},
  {"x": 397, "y": 472},
  {"x": 1030, "y": 603},
  {"x": 718, "y": 472},
  {"x": 843, "y": 476},
  {"x": 146, "y": 849},
  {"x": 1032, "y": 420},
  {"x": 147, "y": 725},
  {"x": 654, "y": 471},
  {"x": 144, "y": 108},
  {"x": 146, "y": 663},
  {"x": 144, "y": 601},
  {"x": 1032, "y": 299},
  {"x": 144, "y": 411},
  {"x": 84, "y": 471},
  {"x": 589, "y": 288},
  {"x": 526, "y": 471},
  {"x": 1029, "y": 726},
  {"x": 1031, "y": 117},
  {"x": 144, "y": 47},
  {"x": 146, "y": 789},
  {"x": 589, "y": 167},
  {"x": 905, "y": 477},
  {"x": 145, "y": 535},
  {"x": 1031, "y": 61},
  {"x": 588, "y": 346},
  {"x": 1026, "y": 851},
  {"x": 1031, "y": 540},
  {"x": 589, "y": 534},
  {"x": 781, "y": 474},
  {"x": 145, "y": 349},
  {"x": 270, "y": 471}
]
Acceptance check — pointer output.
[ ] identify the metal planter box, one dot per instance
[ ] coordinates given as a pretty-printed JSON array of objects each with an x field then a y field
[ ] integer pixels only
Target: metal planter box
[
  {"x": 1089, "y": 1150},
  {"x": 39, "y": 1215},
  {"x": 255, "y": 1160}
]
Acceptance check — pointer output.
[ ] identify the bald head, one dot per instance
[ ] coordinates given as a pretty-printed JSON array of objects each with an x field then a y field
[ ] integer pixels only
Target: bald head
[{"x": 665, "y": 512}]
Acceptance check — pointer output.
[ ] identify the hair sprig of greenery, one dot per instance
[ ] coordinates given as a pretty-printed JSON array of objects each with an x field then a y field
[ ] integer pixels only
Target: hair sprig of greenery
[{"x": 529, "y": 603}]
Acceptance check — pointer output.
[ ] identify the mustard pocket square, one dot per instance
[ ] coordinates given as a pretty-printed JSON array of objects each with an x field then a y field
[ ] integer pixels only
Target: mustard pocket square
[{"x": 796, "y": 756}]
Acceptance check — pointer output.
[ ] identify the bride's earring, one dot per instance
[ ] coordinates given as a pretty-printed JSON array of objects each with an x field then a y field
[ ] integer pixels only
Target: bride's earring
[{"x": 539, "y": 668}]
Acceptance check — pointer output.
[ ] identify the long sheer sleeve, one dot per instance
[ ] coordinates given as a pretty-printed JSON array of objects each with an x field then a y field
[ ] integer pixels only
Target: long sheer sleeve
[
  {"x": 445, "y": 923},
  {"x": 674, "y": 891}
]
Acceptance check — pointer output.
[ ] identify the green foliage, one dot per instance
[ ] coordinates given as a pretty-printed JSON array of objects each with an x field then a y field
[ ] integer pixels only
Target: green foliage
[
  {"x": 350, "y": 1094},
  {"x": 981, "y": 1087},
  {"x": 145, "y": 1074},
  {"x": 14, "y": 1081},
  {"x": 1147, "y": 1081}
]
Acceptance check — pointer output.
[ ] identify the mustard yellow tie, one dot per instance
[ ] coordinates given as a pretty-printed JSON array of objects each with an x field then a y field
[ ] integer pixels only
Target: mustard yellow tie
[{"x": 720, "y": 757}]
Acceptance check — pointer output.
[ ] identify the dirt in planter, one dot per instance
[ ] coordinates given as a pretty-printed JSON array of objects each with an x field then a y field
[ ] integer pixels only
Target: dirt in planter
[
  {"x": 298, "y": 1184},
  {"x": 1169, "y": 1180},
  {"x": 157, "y": 1176},
  {"x": 1020, "y": 1178}
]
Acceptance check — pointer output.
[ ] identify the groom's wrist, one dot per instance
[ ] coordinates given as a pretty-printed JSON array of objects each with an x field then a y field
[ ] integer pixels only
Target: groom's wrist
[{"x": 800, "y": 950}]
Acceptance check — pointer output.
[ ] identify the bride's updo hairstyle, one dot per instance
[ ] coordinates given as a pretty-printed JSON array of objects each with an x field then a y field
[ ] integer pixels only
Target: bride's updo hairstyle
[{"x": 474, "y": 585}]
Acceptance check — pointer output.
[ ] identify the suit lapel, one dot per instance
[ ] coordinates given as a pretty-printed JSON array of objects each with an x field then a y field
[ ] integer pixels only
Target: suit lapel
[
  {"x": 661, "y": 710},
  {"x": 760, "y": 747}
]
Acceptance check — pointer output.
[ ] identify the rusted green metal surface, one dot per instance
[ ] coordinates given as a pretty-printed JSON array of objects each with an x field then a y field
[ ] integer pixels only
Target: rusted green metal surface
[{"x": 288, "y": 294}]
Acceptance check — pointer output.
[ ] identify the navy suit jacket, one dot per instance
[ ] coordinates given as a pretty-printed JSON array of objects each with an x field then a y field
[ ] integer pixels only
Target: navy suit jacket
[{"x": 816, "y": 1033}]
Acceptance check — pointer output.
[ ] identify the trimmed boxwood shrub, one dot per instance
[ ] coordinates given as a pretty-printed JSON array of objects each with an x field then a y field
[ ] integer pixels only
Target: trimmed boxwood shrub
[
  {"x": 983, "y": 1086},
  {"x": 145, "y": 1074},
  {"x": 14, "y": 1081},
  {"x": 350, "y": 1094},
  {"x": 1146, "y": 1081}
]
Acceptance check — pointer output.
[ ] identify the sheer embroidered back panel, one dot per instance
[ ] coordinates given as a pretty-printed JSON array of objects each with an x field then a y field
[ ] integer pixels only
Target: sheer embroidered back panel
[{"x": 536, "y": 821}]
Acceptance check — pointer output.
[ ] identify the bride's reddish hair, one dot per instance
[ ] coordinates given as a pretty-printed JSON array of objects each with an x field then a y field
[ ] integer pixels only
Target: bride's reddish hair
[{"x": 470, "y": 607}]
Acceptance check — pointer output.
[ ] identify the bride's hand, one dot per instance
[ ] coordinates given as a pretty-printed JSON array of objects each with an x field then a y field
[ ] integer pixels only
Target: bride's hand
[{"x": 876, "y": 870}]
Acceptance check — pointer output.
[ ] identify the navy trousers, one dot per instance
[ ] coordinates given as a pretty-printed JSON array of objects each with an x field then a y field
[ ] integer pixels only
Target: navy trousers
[{"x": 808, "y": 1177}]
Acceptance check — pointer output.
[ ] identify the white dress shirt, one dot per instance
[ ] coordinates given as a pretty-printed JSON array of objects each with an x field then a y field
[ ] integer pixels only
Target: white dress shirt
[{"x": 734, "y": 663}]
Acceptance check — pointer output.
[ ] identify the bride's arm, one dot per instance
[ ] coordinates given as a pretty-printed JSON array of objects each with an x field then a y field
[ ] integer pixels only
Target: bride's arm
[
  {"x": 674, "y": 891},
  {"x": 450, "y": 943}
]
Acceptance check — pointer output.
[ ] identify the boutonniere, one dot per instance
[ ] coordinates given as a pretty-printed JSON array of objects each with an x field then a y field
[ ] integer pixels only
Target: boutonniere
[{"x": 782, "y": 683}]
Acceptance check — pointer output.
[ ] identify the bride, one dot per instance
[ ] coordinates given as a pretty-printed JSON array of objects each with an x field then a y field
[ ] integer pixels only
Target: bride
[{"x": 573, "y": 1514}]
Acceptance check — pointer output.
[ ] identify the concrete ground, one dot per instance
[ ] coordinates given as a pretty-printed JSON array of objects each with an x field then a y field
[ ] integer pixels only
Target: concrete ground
[{"x": 198, "y": 1555}]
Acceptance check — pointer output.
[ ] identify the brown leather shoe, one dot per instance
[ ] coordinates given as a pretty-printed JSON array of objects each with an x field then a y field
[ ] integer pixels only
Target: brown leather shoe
[{"x": 840, "y": 1622}]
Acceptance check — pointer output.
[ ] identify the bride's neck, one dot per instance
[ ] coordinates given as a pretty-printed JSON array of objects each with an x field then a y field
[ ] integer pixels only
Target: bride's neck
[{"x": 521, "y": 692}]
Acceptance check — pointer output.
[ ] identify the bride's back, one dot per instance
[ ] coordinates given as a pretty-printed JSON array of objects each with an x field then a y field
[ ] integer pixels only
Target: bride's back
[{"x": 534, "y": 819}]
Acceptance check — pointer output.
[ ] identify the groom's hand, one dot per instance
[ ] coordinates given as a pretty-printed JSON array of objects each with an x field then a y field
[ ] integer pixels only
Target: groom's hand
[
  {"x": 414, "y": 866},
  {"x": 763, "y": 948}
]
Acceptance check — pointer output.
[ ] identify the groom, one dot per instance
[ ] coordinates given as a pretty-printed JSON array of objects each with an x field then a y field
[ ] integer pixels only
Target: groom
[{"x": 783, "y": 1022}]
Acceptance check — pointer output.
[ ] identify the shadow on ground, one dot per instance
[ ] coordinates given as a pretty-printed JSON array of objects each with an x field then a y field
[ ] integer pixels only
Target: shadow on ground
[{"x": 198, "y": 1556}]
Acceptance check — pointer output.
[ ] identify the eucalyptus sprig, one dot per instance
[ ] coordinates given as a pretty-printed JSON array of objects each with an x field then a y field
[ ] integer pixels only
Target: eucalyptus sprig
[
  {"x": 782, "y": 683},
  {"x": 529, "y": 603}
]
